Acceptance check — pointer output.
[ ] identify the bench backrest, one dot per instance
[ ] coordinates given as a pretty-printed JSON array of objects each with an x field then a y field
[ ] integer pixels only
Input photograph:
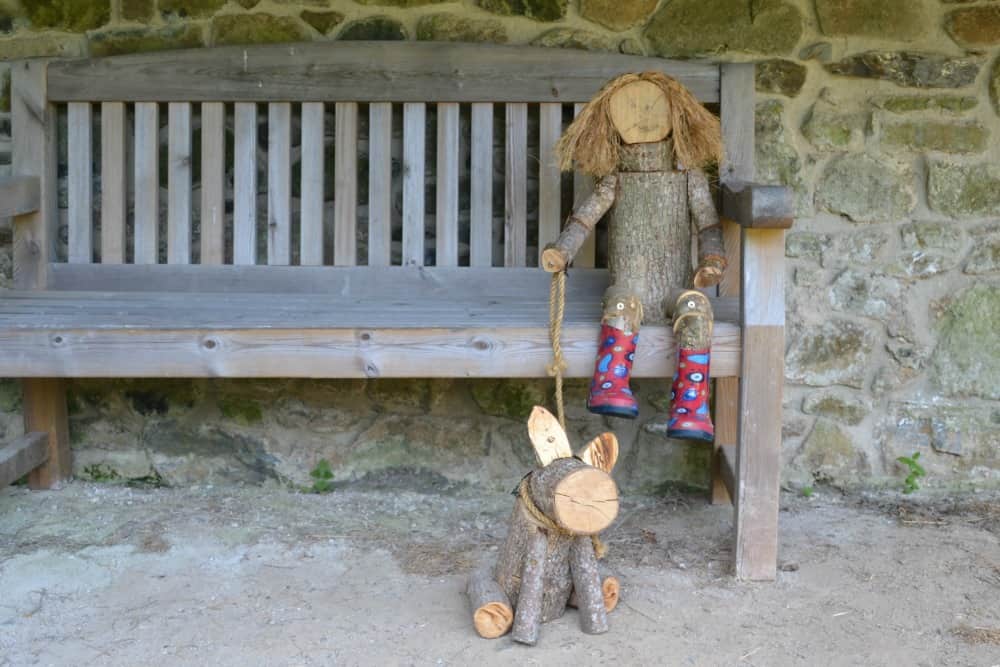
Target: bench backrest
[{"x": 208, "y": 106}]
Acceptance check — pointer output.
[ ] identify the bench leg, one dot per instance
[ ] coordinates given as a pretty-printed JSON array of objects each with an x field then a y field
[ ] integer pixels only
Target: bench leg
[
  {"x": 45, "y": 411},
  {"x": 727, "y": 401}
]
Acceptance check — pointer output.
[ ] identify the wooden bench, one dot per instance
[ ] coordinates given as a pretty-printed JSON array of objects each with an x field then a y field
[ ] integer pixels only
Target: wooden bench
[{"x": 285, "y": 288}]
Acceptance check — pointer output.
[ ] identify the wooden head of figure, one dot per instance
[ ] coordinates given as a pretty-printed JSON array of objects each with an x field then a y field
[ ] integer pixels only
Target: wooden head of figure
[
  {"x": 549, "y": 558},
  {"x": 640, "y": 108}
]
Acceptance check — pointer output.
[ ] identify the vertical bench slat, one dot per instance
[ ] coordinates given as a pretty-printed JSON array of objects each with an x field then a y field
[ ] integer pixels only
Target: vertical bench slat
[
  {"x": 213, "y": 170},
  {"x": 79, "y": 147},
  {"x": 550, "y": 127},
  {"x": 583, "y": 185},
  {"x": 245, "y": 184},
  {"x": 516, "y": 186},
  {"x": 345, "y": 195},
  {"x": 279, "y": 183},
  {"x": 414, "y": 115},
  {"x": 113, "y": 184},
  {"x": 179, "y": 183},
  {"x": 481, "y": 186},
  {"x": 379, "y": 184},
  {"x": 147, "y": 182},
  {"x": 311, "y": 236},
  {"x": 447, "y": 185}
]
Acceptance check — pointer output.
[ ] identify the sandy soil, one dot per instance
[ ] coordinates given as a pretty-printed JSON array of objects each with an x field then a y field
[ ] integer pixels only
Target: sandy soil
[{"x": 103, "y": 575}]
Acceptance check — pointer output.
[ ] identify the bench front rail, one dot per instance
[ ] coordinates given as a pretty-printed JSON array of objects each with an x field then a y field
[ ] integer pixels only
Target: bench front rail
[{"x": 265, "y": 212}]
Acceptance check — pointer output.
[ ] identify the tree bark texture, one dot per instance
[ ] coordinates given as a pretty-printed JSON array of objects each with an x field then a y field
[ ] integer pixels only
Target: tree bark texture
[
  {"x": 610, "y": 587},
  {"x": 587, "y": 586},
  {"x": 528, "y": 614},
  {"x": 649, "y": 237},
  {"x": 580, "y": 225},
  {"x": 492, "y": 614}
]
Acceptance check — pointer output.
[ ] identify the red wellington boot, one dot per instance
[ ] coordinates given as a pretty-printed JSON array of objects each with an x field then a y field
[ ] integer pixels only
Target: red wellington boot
[
  {"x": 689, "y": 417},
  {"x": 609, "y": 392}
]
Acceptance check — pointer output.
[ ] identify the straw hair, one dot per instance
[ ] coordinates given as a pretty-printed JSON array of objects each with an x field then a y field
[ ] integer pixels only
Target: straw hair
[{"x": 593, "y": 143}]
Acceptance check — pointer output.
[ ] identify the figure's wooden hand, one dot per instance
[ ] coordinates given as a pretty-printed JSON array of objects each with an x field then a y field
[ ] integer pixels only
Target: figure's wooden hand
[
  {"x": 554, "y": 260},
  {"x": 709, "y": 272}
]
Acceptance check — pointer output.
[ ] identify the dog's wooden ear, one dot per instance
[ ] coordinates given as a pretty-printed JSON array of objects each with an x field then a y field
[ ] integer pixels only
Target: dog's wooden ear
[
  {"x": 547, "y": 436},
  {"x": 601, "y": 452}
]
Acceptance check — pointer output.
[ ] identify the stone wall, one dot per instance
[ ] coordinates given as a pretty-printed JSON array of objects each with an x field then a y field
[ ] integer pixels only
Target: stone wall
[{"x": 882, "y": 115}]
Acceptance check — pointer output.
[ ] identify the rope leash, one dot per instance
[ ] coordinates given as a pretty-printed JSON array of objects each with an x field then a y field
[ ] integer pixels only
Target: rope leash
[{"x": 557, "y": 309}]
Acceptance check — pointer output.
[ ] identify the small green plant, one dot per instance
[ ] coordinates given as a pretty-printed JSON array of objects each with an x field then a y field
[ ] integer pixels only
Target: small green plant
[
  {"x": 322, "y": 477},
  {"x": 807, "y": 491},
  {"x": 916, "y": 472}
]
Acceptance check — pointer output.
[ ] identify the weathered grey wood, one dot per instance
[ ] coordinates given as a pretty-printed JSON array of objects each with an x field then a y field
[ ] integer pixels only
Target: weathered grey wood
[
  {"x": 312, "y": 174},
  {"x": 516, "y": 186},
  {"x": 481, "y": 187},
  {"x": 33, "y": 130},
  {"x": 549, "y": 176},
  {"x": 44, "y": 405},
  {"x": 379, "y": 184},
  {"x": 213, "y": 173},
  {"x": 725, "y": 460},
  {"x": 446, "y": 238},
  {"x": 80, "y": 177},
  {"x": 587, "y": 587},
  {"x": 413, "y": 183},
  {"x": 147, "y": 183},
  {"x": 245, "y": 184},
  {"x": 759, "y": 454},
  {"x": 459, "y": 347},
  {"x": 374, "y": 71},
  {"x": 583, "y": 186},
  {"x": 736, "y": 92},
  {"x": 179, "y": 173},
  {"x": 345, "y": 232},
  {"x": 22, "y": 456},
  {"x": 758, "y": 206},
  {"x": 19, "y": 195},
  {"x": 114, "y": 188},
  {"x": 279, "y": 183}
]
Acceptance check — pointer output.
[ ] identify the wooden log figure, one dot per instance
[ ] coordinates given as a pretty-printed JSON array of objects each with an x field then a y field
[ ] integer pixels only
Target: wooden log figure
[
  {"x": 646, "y": 139},
  {"x": 549, "y": 559}
]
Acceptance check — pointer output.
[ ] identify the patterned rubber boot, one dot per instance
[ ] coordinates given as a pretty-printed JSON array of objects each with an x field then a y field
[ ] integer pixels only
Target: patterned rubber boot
[
  {"x": 609, "y": 391},
  {"x": 689, "y": 417}
]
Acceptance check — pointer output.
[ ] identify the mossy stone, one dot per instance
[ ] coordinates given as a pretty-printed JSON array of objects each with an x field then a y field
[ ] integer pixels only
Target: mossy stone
[
  {"x": 985, "y": 255},
  {"x": 400, "y": 3},
  {"x": 900, "y": 20},
  {"x": 190, "y": 8},
  {"x": 136, "y": 10},
  {"x": 776, "y": 158},
  {"x": 807, "y": 245},
  {"x": 964, "y": 190},
  {"x": 617, "y": 15},
  {"x": 838, "y": 406},
  {"x": 901, "y": 104},
  {"x": 5, "y": 92},
  {"x": 242, "y": 409},
  {"x": 256, "y": 29},
  {"x": 828, "y": 128},
  {"x": 142, "y": 40},
  {"x": 33, "y": 45},
  {"x": 780, "y": 77},
  {"x": 512, "y": 399},
  {"x": 322, "y": 21},
  {"x": 68, "y": 15},
  {"x": 935, "y": 136},
  {"x": 966, "y": 361},
  {"x": 693, "y": 27},
  {"x": 974, "y": 26},
  {"x": 570, "y": 38},
  {"x": 865, "y": 189},
  {"x": 830, "y": 456},
  {"x": 445, "y": 27},
  {"x": 374, "y": 28},
  {"x": 837, "y": 351},
  {"x": 540, "y": 10},
  {"x": 995, "y": 86},
  {"x": 906, "y": 68},
  {"x": 10, "y": 396}
]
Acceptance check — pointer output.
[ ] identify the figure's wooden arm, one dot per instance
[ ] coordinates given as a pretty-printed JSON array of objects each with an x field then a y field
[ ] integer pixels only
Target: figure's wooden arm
[
  {"x": 581, "y": 223},
  {"x": 711, "y": 253}
]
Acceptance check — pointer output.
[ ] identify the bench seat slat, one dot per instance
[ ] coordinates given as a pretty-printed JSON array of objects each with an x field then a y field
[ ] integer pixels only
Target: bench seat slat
[
  {"x": 414, "y": 115},
  {"x": 447, "y": 185},
  {"x": 516, "y": 186},
  {"x": 147, "y": 183},
  {"x": 179, "y": 183},
  {"x": 213, "y": 174},
  {"x": 379, "y": 184},
  {"x": 279, "y": 183},
  {"x": 481, "y": 186},
  {"x": 245, "y": 184},
  {"x": 79, "y": 149},
  {"x": 311, "y": 248},
  {"x": 113, "y": 187},
  {"x": 345, "y": 226}
]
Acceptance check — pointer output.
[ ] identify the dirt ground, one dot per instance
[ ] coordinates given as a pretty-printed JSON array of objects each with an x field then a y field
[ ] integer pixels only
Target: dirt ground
[{"x": 373, "y": 575}]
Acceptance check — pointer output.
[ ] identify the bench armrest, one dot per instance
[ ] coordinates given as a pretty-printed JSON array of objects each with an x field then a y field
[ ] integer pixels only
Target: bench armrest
[
  {"x": 758, "y": 206},
  {"x": 19, "y": 195}
]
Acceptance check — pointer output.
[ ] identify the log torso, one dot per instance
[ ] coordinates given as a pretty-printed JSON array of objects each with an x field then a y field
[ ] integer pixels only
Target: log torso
[{"x": 649, "y": 228}]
